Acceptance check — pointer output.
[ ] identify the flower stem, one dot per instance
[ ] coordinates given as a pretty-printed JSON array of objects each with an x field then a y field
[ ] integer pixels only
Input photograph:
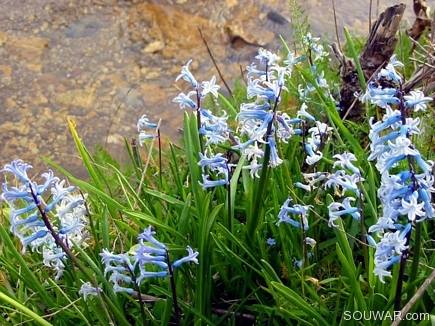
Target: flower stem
[{"x": 174, "y": 292}]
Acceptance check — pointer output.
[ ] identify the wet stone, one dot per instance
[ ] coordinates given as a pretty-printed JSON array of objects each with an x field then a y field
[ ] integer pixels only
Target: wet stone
[{"x": 83, "y": 28}]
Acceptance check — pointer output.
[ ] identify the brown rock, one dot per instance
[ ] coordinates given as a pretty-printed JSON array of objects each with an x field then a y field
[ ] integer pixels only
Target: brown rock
[
  {"x": 6, "y": 70},
  {"x": 29, "y": 49},
  {"x": 154, "y": 47},
  {"x": 15, "y": 128},
  {"x": 175, "y": 28},
  {"x": 84, "y": 98}
]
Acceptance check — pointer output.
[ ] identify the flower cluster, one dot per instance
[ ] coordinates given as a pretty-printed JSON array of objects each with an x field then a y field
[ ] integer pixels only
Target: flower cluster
[
  {"x": 260, "y": 121},
  {"x": 215, "y": 129},
  {"x": 217, "y": 164},
  {"x": 143, "y": 123},
  {"x": 30, "y": 212},
  {"x": 407, "y": 179},
  {"x": 131, "y": 267},
  {"x": 340, "y": 180},
  {"x": 301, "y": 212}
]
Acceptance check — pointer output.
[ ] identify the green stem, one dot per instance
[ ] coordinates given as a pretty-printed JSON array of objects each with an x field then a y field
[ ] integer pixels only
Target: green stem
[
  {"x": 174, "y": 292},
  {"x": 141, "y": 303},
  {"x": 252, "y": 223},
  {"x": 415, "y": 258}
]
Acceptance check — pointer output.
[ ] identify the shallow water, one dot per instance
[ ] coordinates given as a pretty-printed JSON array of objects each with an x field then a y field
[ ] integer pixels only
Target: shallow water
[{"x": 105, "y": 63}]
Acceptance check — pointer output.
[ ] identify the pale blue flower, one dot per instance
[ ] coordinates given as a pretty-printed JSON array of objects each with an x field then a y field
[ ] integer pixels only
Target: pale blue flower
[
  {"x": 187, "y": 75},
  {"x": 390, "y": 74},
  {"x": 267, "y": 57},
  {"x": 271, "y": 242},
  {"x": 209, "y": 87},
  {"x": 417, "y": 100},
  {"x": 26, "y": 221},
  {"x": 345, "y": 160},
  {"x": 116, "y": 278},
  {"x": 252, "y": 70},
  {"x": 184, "y": 100},
  {"x": 143, "y": 137},
  {"x": 253, "y": 152},
  {"x": 304, "y": 186},
  {"x": 346, "y": 182},
  {"x": 292, "y": 60},
  {"x": 144, "y": 122},
  {"x": 274, "y": 158},
  {"x": 254, "y": 89},
  {"x": 147, "y": 235},
  {"x": 26, "y": 240},
  {"x": 299, "y": 210},
  {"x": 146, "y": 274},
  {"x": 87, "y": 289},
  {"x": 19, "y": 169},
  {"x": 254, "y": 167},
  {"x": 303, "y": 113},
  {"x": 339, "y": 209},
  {"x": 381, "y": 266},
  {"x": 191, "y": 257},
  {"x": 312, "y": 157},
  {"x": 411, "y": 207},
  {"x": 206, "y": 183}
]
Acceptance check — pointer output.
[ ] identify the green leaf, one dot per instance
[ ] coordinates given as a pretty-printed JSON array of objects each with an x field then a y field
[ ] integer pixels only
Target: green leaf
[
  {"x": 24, "y": 310},
  {"x": 296, "y": 300}
]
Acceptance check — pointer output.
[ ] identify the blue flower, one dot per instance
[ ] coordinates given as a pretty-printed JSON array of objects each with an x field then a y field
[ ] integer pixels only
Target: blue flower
[
  {"x": 271, "y": 242},
  {"x": 147, "y": 235},
  {"x": 191, "y": 257},
  {"x": 303, "y": 113},
  {"x": 417, "y": 100},
  {"x": 216, "y": 164},
  {"x": 346, "y": 182},
  {"x": 311, "y": 156},
  {"x": 30, "y": 225},
  {"x": 87, "y": 289},
  {"x": 389, "y": 72},
  {"x": 144, "y": 122},
  {"x": 344, "y": 160},
  {"x": 206, "y": 183},
  {"x": 19, "y": 169},
  {"x": 262, "y": 93},
  {"x": 267, "y": 57},
  {"x": 187, "y": 75},
  {"x": 252, "y": 70},
  {"x": 339, "y": 209},
  {"x": 299, "y": 210},
  {"x": 209, "y": 87},
  {"x": 143, "y": 136},
  {"x": 274, "y": 158},
  {"x": 184, "y": 100}
]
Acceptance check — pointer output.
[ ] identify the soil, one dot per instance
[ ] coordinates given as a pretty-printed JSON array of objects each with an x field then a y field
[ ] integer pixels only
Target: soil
[{"x": 105, "y": 63}]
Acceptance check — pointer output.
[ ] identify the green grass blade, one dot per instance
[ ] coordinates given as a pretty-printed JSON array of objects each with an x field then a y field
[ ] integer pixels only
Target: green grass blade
[
  {"x": 296, "y": 300},
  {"x": 24, "y": 310}
]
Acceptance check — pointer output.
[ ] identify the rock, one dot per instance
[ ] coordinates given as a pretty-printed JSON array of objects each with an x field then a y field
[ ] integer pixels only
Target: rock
[
  {"x": 245, "y": 26},
  {"x": 15, "y": 128},
  {"x": 84, "y": 98},
  {"x": 27, "y": 49},
  {"x": 174, "y": 28},
  {"x": 6, "y": 70},
  {"x": 84, "y": 27},
  {"x": 154, "y": 47}
]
